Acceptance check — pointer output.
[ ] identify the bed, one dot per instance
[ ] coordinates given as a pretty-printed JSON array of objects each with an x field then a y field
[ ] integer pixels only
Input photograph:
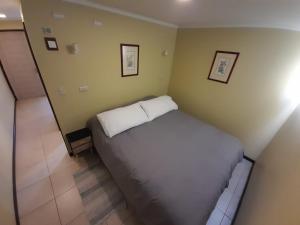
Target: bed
[{"x": 171, "y": 170}]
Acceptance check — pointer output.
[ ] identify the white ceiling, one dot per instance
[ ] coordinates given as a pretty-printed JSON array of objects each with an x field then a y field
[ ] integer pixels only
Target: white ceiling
[
  {"x": 11, "y": 8},
  {"x": 214, "y": 13},
  {"x": 197, "y": 13}
]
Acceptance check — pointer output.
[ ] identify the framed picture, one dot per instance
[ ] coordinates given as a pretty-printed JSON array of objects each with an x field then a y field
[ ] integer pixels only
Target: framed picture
[
  {"x": 223, "y": 66},
  {"x": 51, "y": 44},
  {"x": 129, "y": 60}
]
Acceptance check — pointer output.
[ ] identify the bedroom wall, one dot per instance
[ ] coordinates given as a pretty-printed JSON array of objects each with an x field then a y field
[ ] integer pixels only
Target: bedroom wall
[
  {"x": 98, "y": 63},
  {"x": 7, "y": 104},
  {"x": 259, "y": 96},
  {"x": 273, "y": 196},
  {"x": 11, "y": 24}
]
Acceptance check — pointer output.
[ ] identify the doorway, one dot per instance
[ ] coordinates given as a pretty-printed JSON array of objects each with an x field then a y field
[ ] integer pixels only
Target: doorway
[
  {"x": 19, "y": 65},
  {"x": 39, "y": 146}
]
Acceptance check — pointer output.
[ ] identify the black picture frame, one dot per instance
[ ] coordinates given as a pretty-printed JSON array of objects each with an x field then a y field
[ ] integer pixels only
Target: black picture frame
[
  {"x": 123, "y": 70},
  {"x": 227, "y": 76},
  {"x": 48, "y": 41}
]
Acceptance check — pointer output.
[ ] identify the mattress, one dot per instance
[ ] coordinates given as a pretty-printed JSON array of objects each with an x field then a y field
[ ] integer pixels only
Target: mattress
[{"x": 171, "y": 170}]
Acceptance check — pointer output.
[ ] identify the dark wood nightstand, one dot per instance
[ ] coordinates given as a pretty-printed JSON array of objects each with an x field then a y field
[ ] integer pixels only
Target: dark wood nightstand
[{"x": 80, "y": 140}]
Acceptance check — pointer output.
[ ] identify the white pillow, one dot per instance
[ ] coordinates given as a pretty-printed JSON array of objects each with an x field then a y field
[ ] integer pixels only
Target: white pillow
[
  {"x": 158, "y": 106},
  {"x": 120, "y": 119}
]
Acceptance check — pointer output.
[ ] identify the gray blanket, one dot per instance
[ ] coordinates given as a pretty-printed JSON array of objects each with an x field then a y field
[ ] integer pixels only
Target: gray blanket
[{"x": 171, "y": 170}]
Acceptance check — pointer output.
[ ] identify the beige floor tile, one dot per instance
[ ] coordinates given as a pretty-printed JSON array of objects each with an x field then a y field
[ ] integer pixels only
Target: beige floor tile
[
  {"x": 44, "y": 215},
  {"x": 26, "y": 138},
  {"x": 32, "y": 121},
  {"x": 52, "y": 141},
  {"x": 29, "y": 120},
  {"x": 58, "y": 159},
  {"x": 25, "y": 114},
  {"x": 49, "y": 125},
  {"x": 62, "y": 180},
  {"x": 80, "y": 220},
  {"x": 55, "y": 150},
  {"x": 69, "y": 205},
  {"x": 23, "y": 128},
  {"x": 29, "y": 157},
  {"x": 28, "y": 143},
  {"x": 34, "y": 196},
  {"x": 31, "y": 174},
  {"x": 61, "y": 160}
]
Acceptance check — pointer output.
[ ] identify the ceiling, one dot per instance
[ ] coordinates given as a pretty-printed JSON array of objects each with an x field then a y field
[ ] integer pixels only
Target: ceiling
[
  {"x": 198, "y": 13},
  {"x": 11, "y": 8},
  {"x": 215, "y": 13}
]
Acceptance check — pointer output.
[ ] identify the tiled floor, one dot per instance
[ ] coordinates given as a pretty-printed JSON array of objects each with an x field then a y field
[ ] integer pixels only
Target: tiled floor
[{"x": 46, "y": 191}]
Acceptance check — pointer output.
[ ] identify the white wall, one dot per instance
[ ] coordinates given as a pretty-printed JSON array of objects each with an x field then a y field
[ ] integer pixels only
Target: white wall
[{"x": 7, "y": 215}]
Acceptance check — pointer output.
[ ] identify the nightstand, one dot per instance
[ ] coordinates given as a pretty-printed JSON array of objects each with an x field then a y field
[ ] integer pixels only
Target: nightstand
[{"x": 80, "y": 140}]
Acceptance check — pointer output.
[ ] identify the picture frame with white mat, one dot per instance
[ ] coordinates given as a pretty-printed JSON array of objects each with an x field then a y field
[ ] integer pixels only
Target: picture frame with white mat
[{"x": 222, "y": 66}]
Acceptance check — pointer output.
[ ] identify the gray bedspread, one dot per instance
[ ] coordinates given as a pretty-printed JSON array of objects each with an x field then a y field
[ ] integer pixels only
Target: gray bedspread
[{"x": 171, "y": 170}]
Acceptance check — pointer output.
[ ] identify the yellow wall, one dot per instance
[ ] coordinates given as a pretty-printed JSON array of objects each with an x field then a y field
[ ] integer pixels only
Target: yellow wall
[
  {"x": 11, "y": 24},
  {"x": 7, "y": 214},
  {"x": 98, "y": 63},
  {"x": 254, "y": 104},
  {"x": 273, "y": 195}
]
